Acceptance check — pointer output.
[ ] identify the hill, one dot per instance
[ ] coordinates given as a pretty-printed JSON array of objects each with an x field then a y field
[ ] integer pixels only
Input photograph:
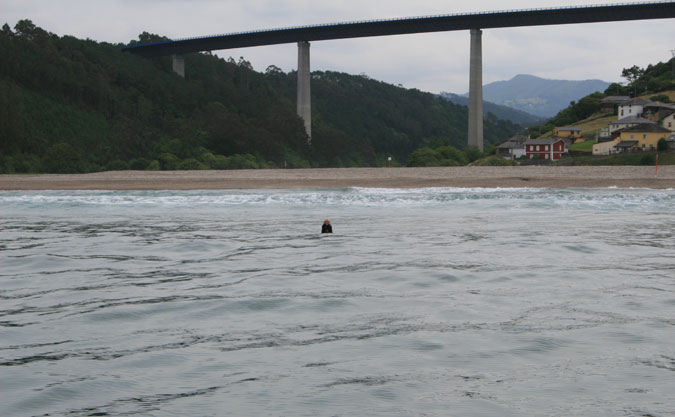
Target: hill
[
  {"x": 502, "y": 112},
  {"x": 71, "y": 105},
  {"x": 538, "y": 96},
  {"x": 656, "y": 82}
]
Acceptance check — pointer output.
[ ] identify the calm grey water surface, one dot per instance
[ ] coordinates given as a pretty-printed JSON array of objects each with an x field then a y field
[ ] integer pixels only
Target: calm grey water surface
[{"x": 424, "y": 302}]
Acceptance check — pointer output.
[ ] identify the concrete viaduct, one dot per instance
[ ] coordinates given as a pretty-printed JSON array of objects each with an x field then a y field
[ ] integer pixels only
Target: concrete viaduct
[{"x": 474, "y": 22}]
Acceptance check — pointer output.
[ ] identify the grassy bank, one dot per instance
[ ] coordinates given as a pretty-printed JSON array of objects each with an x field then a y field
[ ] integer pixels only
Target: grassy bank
[{"x": 636, "y": 158}]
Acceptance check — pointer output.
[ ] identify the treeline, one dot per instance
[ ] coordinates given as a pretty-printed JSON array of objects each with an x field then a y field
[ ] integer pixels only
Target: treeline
[
  {"x": 71, "y": 105},
  {"x": 639, "y": 81}
]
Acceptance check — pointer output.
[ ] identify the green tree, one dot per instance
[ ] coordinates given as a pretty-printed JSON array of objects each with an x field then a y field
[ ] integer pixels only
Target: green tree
[
  {"x": 631, "y": 75},
  {"x": 63, "y": 158},
  {"x": 191, "y": 164},
  {"x": 6, "y": 31},
  {"x": 662, "y": 145},
  {"x": 660, "y": 97},
  {"x": 11, "y": 118},
  {"x": 26, "y": 29},
  {"x": 473, "y": 153},
  {"x": 424, "y": 157},
  {"x": 451, "y": 156}
]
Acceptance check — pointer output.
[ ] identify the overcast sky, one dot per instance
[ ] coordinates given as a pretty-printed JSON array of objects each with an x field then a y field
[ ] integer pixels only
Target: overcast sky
[{"x": 431, "y": 62}]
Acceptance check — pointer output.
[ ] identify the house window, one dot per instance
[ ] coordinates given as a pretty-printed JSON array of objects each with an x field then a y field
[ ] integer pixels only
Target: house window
[
  {"x": 546, "y": 148},
  {"x": 670, "y": 124},
  {"x": 546, "y": 156},
  {"x": 644, "y": 136}
]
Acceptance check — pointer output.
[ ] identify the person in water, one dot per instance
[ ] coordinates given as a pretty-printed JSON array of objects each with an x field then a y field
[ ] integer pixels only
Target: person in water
[{"x": 326, "y": 227}]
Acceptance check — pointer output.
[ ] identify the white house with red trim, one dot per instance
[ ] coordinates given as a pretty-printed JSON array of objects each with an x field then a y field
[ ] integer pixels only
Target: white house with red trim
[{"x": 546, "y": 148}]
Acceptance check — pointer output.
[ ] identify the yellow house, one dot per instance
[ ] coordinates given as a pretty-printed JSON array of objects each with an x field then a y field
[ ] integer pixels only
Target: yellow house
[
  {"x": 567, "y": 132},
  {"x": 646, "y": 135}
]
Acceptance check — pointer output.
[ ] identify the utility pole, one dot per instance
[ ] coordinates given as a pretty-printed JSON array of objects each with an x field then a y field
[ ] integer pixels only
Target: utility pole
[{"x": 672, "y": 52}]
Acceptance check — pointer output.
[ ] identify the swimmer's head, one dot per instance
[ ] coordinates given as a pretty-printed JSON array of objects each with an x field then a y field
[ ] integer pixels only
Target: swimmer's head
[{"x": 326, "y": 221}]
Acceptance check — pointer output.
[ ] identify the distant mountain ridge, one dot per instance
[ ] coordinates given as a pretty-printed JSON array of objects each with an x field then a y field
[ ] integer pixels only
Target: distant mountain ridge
[
  {"x": 539, "y": 96},
  {"x": 502, "y": 112}
]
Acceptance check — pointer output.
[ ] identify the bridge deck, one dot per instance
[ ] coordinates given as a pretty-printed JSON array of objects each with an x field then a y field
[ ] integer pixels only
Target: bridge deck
[{"x": 515, "y": 18}]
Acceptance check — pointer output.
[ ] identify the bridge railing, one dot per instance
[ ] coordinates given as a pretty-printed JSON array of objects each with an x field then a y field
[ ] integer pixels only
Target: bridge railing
[{"x": 399, "y": 19}]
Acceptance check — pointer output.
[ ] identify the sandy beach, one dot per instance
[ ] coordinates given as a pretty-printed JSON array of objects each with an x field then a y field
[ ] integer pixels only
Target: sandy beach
[{"x": 485, "y": 177}]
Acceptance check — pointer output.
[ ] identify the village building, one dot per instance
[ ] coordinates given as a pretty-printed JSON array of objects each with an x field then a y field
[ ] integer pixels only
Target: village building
[
  {"x": 657, "y": 111},
  {"x": 572, "y": 133},
  {"x": 645, "y": 135},
  {"x": 513, "y": 148},
  {"x": 610, "y": 103},
  {"x": 671, "y": 141},
  {"x": 668, "y": 122},
  {"x": 632, "y": 108},
  {"x": 626, "y": 122},
  {"x": 605, "y": 147},
  {"x": 547, "y": 148},
  {"x": 626, "y": 146},
  {"x": 568, "y": 142}
]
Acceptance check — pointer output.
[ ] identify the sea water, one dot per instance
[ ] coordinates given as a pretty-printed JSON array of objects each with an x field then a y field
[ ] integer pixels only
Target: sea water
[{"x": 423, "y": 302}]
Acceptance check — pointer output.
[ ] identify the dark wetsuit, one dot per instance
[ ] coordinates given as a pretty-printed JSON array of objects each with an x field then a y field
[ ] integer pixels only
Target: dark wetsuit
[{"x": 326, "y": 228}]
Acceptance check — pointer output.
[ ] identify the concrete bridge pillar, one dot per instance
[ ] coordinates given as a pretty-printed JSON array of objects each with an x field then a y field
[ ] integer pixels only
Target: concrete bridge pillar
[
  {"x": 304, "y": 97},
  {"x": 179, "y": 65},
  {"x": 476, "y": 90}
]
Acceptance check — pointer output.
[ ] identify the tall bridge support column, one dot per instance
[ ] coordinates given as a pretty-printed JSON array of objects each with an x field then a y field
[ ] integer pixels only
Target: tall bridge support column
[
  {"x": 304, "y": 96},
  {"x": 178, "y": 65},
  {"x": 476, "y": 90}
]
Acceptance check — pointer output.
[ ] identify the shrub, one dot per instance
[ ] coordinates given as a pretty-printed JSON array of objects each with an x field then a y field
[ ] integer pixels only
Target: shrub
[
  {"x": 139, "y": 164},
  {"x": 494, "y": 160},
  {"x": 116, "y": 165},
  {"x": 662, "y": 145},
  {"x": 454, "y": 155},
  {"x": 20, "y": 164},
  {"x": 218, "y": 162},
  {"x": 63, "y": 158},
  {"x": 473, "y": 153},
  {"x": 239, "y": 161},
  {"x": 191, "y": 164},
  {"x": 661, "y": 97},
  {"x": 168, "y": 161},
  {"x": 423, "y": 157},
  {"x": 648, "y": 159}
]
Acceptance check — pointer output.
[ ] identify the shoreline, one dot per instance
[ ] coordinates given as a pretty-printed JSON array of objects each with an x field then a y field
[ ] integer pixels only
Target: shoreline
[{"x": 461, "y": 177}]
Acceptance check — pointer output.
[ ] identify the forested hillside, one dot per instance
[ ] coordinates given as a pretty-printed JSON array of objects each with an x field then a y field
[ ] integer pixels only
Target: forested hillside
[{"x": 70, "y": 105}]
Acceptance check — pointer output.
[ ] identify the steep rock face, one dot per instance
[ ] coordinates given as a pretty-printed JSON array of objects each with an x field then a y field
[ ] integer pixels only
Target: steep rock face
[{"x": 539, "y": 96}]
